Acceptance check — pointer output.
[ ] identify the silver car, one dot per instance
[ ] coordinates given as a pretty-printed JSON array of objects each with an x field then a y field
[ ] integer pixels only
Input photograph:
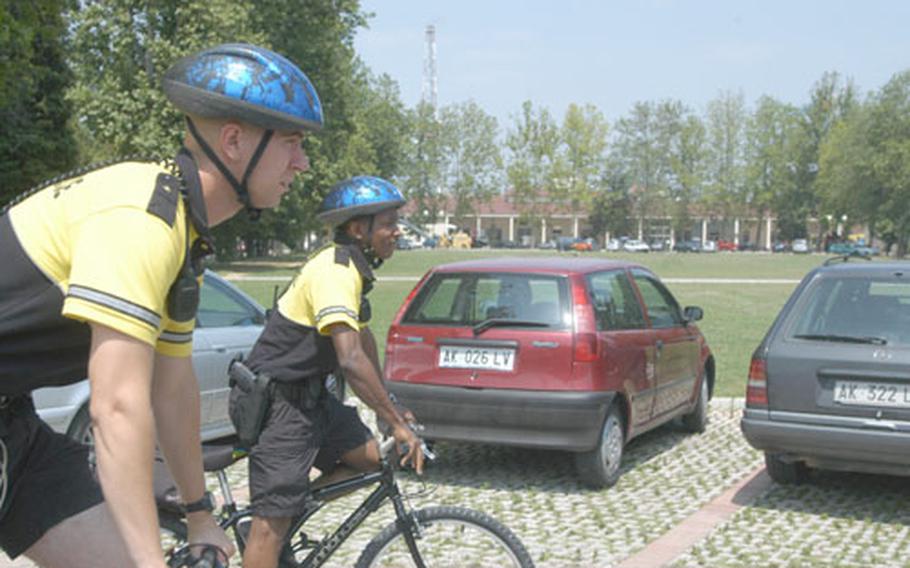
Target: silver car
[
  {"x": 227, "y": 324},
  {"x": 829, "y": 386}
]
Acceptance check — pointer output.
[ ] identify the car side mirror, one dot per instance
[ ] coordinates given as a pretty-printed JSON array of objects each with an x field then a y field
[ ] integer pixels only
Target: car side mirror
[{"x": 693, "y": 313}]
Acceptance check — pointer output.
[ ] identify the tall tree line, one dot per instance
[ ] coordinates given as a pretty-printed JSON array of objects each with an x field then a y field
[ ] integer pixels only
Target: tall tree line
[{"x": 79, "y": 83}]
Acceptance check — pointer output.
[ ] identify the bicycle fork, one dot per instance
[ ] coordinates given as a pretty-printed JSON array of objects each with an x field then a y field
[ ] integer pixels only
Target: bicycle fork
[{"x": 410, "y": 527}]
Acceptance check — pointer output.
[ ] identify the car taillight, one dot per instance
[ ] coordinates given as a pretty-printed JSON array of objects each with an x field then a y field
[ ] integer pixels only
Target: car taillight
[
  {"x": 585, "y": 349},
  {"x": 757, "y": 387},
  {"x": 389, "y": 358}
]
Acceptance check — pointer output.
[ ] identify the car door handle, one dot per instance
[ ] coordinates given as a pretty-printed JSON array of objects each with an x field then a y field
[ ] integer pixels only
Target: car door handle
[
  {"x": 219, "y": 348},
  {"x": 545, "y": 344}
]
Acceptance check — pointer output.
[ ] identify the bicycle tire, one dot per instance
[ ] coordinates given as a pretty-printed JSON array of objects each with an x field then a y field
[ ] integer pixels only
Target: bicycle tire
[{"x": 451, "y": 537}]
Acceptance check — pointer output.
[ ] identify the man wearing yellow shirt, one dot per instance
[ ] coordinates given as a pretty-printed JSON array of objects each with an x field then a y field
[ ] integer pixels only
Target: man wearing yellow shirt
[
  {"x": 319, "y": 325},
  {"x": 100, "y": 278}
]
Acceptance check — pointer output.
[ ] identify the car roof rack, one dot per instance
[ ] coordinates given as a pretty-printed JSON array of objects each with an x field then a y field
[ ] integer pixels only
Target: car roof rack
[{"x": 846, "y": 258}]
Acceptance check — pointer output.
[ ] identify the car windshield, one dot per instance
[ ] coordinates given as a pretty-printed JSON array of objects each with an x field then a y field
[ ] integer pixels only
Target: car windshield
[
  {"x": 469, "y": 299},
  {"x": 855, "y": 310}
]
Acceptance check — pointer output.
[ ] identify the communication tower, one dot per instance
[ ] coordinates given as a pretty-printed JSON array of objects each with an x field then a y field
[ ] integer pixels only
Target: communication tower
[{"x": 428, "y": 94}]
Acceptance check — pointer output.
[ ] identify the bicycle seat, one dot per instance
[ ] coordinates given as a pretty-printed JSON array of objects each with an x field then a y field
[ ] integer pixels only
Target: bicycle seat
[{"x": 218, "y": 457}]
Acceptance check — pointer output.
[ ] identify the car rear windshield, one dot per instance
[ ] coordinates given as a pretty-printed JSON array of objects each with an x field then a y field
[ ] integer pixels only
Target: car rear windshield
[
  {"x": 855, "y": 310},
  {"x": 467, "y": 299}
]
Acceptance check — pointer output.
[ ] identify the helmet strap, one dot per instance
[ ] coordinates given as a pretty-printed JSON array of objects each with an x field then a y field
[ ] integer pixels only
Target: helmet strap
[
  {"x": 239, "y": 186},
  {"x": 344, "y": 238},
  {"x": 368, "y": 251}
]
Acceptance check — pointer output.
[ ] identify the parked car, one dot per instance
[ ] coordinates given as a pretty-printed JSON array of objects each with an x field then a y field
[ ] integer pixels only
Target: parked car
[
  {"x": 687, "y": 246},
  {"x": 800, "y": 246},
  {"x": 747, "y": 246},
  {"x": 845, "y": 248},
  {"x": 583, "y": 245},
  {"x": 613, "y": 245},
  {"x": 829, "y": 385},
  {"x": 564, "y": 243},
  {"x": 658, "y": 245},
  {"x": 634, "y": 245},
  {"x": 780, "y": 246},
  {"x": 568, "y": 353},
  {"x": 724, "y": 245},
  {"x": 709, "y": 246},
  {"x": 227, "y": 325}
]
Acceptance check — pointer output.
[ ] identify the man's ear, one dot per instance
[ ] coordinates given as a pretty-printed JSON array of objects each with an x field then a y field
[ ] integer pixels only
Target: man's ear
[
  {"x": 231, "y": 141},
  {"x": 357, "y": 228}
]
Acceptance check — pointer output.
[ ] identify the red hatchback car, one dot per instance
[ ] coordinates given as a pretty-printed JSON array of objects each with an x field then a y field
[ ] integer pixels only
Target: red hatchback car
[{"x": 573, "y": 354}]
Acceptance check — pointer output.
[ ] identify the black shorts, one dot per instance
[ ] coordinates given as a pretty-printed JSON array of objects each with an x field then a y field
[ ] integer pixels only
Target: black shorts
[
  {"x": 292, "y": 441},
  {"x": 49, "y": 479}
]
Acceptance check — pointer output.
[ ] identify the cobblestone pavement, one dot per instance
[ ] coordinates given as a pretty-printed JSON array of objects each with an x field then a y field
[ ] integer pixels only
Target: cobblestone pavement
[
  {"x": 838, "y": 520},
  {"x": 667, "y": 475}
]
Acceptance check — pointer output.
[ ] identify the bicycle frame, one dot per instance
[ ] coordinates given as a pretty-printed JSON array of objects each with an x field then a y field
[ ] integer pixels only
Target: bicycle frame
[{"x": 387, "y": 489}]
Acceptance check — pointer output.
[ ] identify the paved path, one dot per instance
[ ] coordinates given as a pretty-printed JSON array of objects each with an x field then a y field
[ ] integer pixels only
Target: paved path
[{"x": 697, "y": 526}]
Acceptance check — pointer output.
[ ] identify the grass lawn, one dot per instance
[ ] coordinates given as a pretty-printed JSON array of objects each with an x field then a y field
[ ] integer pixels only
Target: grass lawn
[
  {"x": 736, "y": 315},
  {"x": 667, "y": 265}
]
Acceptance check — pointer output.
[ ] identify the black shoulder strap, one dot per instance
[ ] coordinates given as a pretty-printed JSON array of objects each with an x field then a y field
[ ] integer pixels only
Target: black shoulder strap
[
  {"x": 342, "y": 255},
  {"x": 163, "y": 203}
]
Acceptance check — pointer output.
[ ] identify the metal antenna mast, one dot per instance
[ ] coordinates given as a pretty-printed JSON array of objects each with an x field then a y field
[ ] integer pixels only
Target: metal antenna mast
[{"x": 429, "y": 69}]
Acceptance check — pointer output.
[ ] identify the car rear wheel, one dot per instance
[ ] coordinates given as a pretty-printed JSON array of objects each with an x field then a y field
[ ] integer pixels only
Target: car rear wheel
[
  {"x": 697, "y": 420},
  {"x": 80, "y": 429},
  {"x": 599, "y": 468},
  {"x": 785, "y": 472}
]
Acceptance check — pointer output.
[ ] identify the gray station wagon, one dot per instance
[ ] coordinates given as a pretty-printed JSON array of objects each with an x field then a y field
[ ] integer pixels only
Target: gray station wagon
[
  {"x": 227, "y": 324},
  {"x": 829, "y": 386}
]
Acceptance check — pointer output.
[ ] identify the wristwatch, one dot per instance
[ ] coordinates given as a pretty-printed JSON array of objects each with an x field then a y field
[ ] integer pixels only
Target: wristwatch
[{"x": 204, "y": 503}]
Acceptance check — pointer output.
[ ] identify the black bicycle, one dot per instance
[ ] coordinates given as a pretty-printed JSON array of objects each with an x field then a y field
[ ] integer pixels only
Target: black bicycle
[{"x": 429, "y": 537}]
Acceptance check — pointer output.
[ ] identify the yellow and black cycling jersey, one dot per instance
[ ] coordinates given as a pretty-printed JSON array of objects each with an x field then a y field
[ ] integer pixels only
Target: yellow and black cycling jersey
[
  {"x": 101, "y": 247},
  {"x": 330, "y": 288}
]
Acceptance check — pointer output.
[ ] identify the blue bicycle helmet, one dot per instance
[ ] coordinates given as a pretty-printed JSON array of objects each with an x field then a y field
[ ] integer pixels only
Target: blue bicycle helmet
[
  {"x": 359, "y": 196},
  {"x": 248, "y": 83},
  {"x": 245, "y": 82}
]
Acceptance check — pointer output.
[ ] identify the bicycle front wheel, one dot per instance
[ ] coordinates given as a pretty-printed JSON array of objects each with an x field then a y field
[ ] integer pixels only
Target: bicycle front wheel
[{"x": 447, "y": 537}]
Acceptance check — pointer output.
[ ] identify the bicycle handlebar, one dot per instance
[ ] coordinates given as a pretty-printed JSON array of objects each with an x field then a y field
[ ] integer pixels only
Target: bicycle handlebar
[
  {"x": 190, "y": 556},
  {"x": 388, "y": 444}
]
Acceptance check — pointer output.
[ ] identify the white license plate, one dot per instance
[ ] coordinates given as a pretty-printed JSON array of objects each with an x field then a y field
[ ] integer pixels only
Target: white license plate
[
  {"x": 866, "y": 393},
  {"x": 496, "y": 359}
]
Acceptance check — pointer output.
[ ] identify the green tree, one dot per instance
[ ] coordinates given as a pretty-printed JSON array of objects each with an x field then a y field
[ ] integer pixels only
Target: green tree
[
  {"x": 422, "y": 174},
  {"x": 864, "y": 167},
  {"x": 36, "y": 143},
  {"x": 122, "y": 47},
  {"x": 688, "y": 156},
  {"x": 579, "y": 167},
  {"x": 473, "y": 163},
  {"x": 532, "y": 145},
  {"x": 642, "y": 153},
  {"x": 611, "y": 209},
  {"x": 726, "y": 123},
  {"x": 831, "y": 100},
  {"x": 770, "y": 139}
]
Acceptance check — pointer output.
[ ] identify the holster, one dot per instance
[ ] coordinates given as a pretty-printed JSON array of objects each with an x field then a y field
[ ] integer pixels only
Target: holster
[{"x": 249, "y": 403}]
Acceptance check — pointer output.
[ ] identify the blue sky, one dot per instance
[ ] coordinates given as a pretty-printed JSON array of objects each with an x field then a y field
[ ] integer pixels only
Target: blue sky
[{"x": 612, "y": 54}]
